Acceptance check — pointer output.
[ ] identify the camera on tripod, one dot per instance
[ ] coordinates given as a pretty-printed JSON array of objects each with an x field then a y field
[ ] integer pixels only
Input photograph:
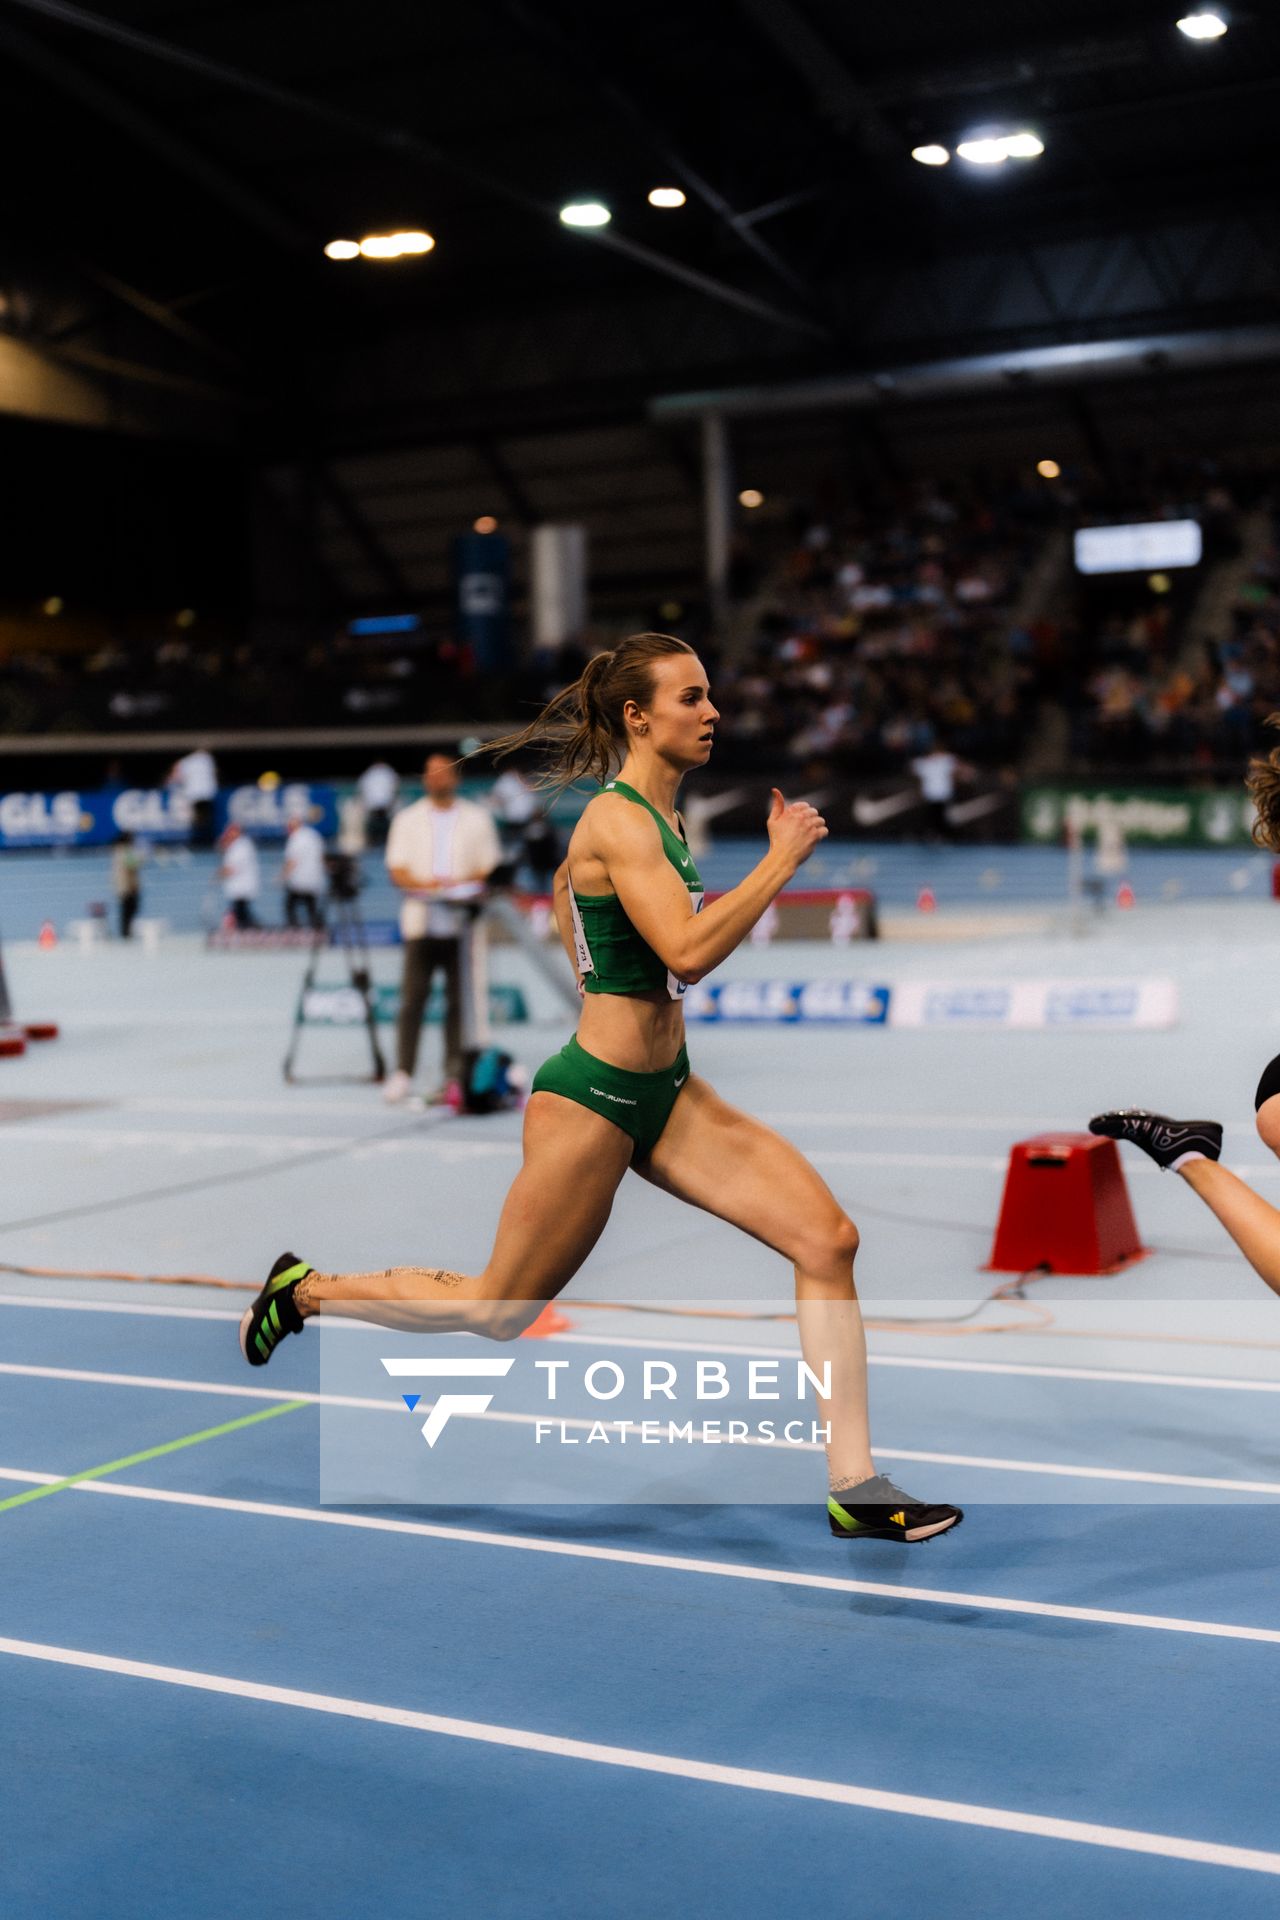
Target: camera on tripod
[{"x": 345, "y": 877}]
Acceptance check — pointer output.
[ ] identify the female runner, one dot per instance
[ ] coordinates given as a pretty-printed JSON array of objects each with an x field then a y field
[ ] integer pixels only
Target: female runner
[
  {"x": 1192, "y": 1147},
  {"x": 629, "y": 906}
]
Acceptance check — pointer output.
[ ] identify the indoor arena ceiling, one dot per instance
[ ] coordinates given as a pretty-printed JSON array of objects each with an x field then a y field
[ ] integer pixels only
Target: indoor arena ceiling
[{"x": 176, "y": 168}]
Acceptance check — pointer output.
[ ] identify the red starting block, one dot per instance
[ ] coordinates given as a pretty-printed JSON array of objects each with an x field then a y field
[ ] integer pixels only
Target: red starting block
[{"x": 1065, "y": 1207}]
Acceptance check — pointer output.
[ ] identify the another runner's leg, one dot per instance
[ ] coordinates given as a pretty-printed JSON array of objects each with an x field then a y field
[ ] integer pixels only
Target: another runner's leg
[{"x": 1252, "y": 1222}]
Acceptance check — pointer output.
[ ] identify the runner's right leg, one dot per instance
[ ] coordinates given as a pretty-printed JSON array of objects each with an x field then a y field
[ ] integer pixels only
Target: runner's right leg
[{"x": 553, "y": 1215}]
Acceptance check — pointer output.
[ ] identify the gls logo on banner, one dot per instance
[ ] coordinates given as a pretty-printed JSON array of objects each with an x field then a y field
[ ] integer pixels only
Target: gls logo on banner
[{"x": 448, "y": 1403}]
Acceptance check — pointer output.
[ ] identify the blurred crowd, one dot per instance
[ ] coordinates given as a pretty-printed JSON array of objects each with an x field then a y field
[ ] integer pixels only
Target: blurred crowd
[
  {"x": 865, "y": 637},
  {"x": 194, "y": 680},
  {"x": 914, "y": 625},
  {"x": 889, "y": 630},
  {"x": 1155, "y": 693}
]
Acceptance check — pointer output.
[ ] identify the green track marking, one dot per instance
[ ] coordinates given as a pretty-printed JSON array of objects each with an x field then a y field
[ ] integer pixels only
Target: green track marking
[{"x": 152, "y": 1453}]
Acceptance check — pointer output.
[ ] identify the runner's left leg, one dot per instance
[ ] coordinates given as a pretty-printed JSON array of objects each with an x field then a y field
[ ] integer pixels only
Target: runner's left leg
[{"x": 556, "y": 1210}]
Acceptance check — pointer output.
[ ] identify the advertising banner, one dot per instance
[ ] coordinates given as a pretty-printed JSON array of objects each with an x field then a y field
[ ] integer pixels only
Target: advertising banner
[
  {"x": 156, "y": 814},
  {"x": 1146, "y": 816},
  {"x": 343, "y": 1006},
  {"x": 1036, "y": 1005},
  {"x": 846, "y": 1003}
]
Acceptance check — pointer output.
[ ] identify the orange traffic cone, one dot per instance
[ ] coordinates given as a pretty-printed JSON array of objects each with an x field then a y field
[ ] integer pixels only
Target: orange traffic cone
[
  {"x": 926, "y": 900},
  {"x": 550, "y": 1320},
  {"x": 48, "y": 936}
]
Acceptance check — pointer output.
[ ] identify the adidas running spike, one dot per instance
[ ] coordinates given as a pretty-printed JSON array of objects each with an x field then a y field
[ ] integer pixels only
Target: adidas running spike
[
  {"x": 877, "y": 1510},
  {"x": 1167, "y": 1142},
  {"x": 274, "y": 1313}
]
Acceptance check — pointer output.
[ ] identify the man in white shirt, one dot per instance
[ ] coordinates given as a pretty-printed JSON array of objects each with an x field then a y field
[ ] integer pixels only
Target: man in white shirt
[
  {"x": 440, "y": 852},
  {"x": 378, "y": 786},
  {"x": 239, "y": 874},
  {"x": 937, "y": 771},
  {"x": 520, "y": 812},
  {"x": 304, "y": 873},
  {"x": 195, "y": 777}
]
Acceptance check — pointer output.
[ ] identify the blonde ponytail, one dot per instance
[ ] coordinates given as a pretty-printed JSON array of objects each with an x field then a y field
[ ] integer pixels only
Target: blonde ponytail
[{"x": 581, "y": 731}]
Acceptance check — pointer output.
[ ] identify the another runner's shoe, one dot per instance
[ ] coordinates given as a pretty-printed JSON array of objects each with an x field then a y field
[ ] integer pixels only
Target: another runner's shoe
[
  {"x": 274, "y": 1313},
  {"x": 877, "y": 1510},
  {"x": 1167, "y": 1142}
]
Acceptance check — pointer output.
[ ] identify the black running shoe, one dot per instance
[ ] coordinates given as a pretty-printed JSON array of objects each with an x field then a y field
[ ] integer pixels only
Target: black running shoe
[
  {"x": 877, "y": 1510},
  {"x": 274, "y": 1313},
  {"x": 1167, "y": 1142}
]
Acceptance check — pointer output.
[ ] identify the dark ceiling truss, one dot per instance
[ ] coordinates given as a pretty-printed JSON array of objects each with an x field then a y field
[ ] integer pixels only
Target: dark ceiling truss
[
  {"x": 287, "y": 521},
  {"x": 412, "y": 149},
  {"x": 1180, "y": 272},
  {"x": 174, "y": 149},
  {"x": 359, "y": 529},
  {"x": 569, "y": 51},
  {"x": 114, "y": 366},
  {"x": 1035, "y": 61},
  {"x": 513, "y": 493},
  {"x": 837, "y": 94},
  {"x": 162, "y": 316}
]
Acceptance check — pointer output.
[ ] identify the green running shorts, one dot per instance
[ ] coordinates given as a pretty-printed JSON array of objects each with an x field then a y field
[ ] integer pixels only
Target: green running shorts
[{"x": 639, "y": 1103}]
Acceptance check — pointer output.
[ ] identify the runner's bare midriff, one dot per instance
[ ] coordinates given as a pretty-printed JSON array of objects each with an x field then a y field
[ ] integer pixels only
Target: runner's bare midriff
[{"x": 642, "y": 1032}]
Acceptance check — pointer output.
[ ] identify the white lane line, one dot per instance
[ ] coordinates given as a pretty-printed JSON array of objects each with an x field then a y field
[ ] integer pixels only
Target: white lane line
[
  {"x": 180, "y": 1141},
  {"x": 949, "y": 1122},
  {"x": 1058, "y": 1469},
  {"x": 361, "y": 1146},
  {"x": 910, "y": 1362},
  {"x": 125, "y": 1306},
  {"x": 356, "y": 1108},
  {"x": 676, "y": 1563},
  {"x": 955, "y": 1812},
  {"x": 1028, "y": 1369},
  {"x": 175, "y": 1138}
]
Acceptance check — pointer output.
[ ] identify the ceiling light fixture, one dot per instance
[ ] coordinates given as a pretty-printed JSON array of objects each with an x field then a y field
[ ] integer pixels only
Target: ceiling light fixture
[
  {"x": 1048, "y": 469},
  {"x": 751, "y": 497},
  {"x": 585, "y": 213},
  {"x": 1202, "y": 26},
  {"x": 992, "y": 150},
  {"x": 343, "y": 250},
  {"x": 666, "y": 197},
  {"x": 931, "y": 156},
  {"x": 395, "y": 246}
]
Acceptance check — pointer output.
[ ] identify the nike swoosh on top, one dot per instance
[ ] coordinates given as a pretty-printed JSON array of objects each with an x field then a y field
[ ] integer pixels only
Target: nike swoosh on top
[
  {"x": 869, "y": 813},
  {"x": 684, "y": 859},
  {"x": 966, "y": 810},
  {"x": 683, "y": 1077}
]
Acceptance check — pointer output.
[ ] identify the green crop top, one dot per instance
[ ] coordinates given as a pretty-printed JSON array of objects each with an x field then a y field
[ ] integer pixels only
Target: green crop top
[{"x": 611, "y": 956}]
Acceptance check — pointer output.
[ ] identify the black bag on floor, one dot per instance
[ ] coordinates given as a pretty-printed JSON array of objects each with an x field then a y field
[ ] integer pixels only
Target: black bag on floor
[{"x": 484, "y": 1080}]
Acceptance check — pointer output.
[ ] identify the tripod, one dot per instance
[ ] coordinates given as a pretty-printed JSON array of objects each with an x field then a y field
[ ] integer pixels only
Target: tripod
[{"x": 350, "y": 936}]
